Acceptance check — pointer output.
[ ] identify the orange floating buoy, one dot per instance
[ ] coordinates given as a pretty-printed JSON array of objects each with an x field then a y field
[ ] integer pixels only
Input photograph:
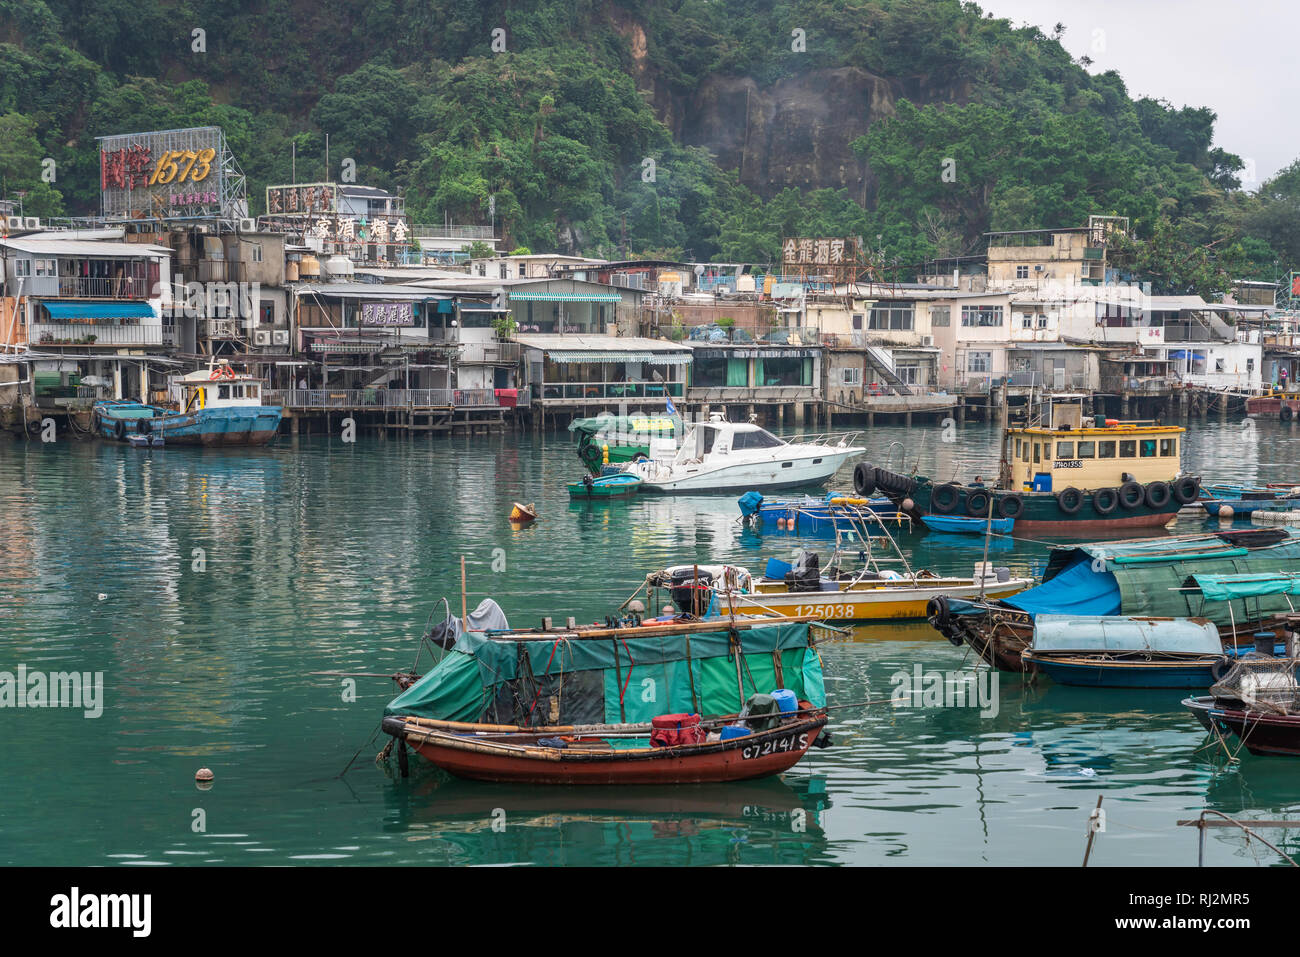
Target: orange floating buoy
[
  {"x": 780, "y": 524},
  {"x": 523, "y": 513},
  {"x": 203, "y": 774}
]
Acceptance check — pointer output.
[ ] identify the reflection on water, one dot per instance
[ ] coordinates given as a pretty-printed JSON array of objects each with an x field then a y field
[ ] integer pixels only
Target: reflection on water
[{"x": 227, "y": 577}]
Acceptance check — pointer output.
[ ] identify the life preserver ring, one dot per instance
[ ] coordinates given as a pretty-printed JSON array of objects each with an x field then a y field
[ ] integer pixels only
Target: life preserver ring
[
  {"x": 944, "y": 498},
  {"x": 119, "y": 430},
  {"x": 1186, "y": 489},
  {"x": 1131, "y": 495},
  {"x": 864, "y": 479},
  {"x": 977, "y": 503},
  {"x": 1011, "y": 506},
  {"x": 1069, "y": 500},
  {"x": 1104, "y": 500},
  {"x": 214, "y": 374},
  {"x": 1157, "y": 495}
]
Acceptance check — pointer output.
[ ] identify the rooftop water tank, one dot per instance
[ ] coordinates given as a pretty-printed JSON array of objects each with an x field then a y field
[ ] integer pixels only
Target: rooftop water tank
[{"x": 339, "y": 268}]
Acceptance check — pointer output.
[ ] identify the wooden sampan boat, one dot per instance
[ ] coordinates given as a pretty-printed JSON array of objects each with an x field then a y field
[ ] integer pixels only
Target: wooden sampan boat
[
  {"x": 584, "y": 754},
  {"x": 1261, "y": 732}
]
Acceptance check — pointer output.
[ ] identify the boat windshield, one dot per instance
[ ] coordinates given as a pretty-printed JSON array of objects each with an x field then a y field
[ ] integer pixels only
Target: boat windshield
[{"x": 757, "y": 439}]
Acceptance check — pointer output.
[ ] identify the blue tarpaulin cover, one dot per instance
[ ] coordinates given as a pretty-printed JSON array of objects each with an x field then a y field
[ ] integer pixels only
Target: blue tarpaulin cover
[{"x": 1076, "y": 591}]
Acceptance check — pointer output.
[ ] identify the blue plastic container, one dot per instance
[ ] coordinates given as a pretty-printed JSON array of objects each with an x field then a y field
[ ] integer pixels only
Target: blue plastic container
[
  {"x": 786, "y": 700},
  {"x": 776, "y": 569},
  {"x": 733, "y": 731}
]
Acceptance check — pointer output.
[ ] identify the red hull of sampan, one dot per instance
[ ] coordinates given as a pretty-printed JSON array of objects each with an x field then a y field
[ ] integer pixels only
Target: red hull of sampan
[{"x": 753, "y": 756}]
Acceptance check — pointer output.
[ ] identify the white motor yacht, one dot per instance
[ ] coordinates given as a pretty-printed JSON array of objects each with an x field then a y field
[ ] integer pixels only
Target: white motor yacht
[{"x": 721, "y": 456}]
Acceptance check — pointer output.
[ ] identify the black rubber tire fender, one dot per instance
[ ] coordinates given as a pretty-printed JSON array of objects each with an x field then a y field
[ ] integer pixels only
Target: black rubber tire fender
[
  {"x": 1285, "y": 413},
  {"x": 1157, "y": 495},
  {"x": 864, "y": 479},
  {"x": 1186, "y": 489},
  {"x": 1220, "y": 668},
  {"x": 1011, "y": 506},
  {"x": 1131, "y": 495},
  {"x": 977, "y": 503},
  {"x": 1105, "y": 500},
  {"x": 944, "y": 498},
  {"x": 119, "y": 430},
  {"x": 1069, "y": 500}
]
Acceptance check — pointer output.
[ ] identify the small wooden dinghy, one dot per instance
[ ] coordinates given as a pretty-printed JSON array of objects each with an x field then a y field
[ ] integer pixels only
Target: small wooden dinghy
[
  {"x": 606, "y": 486},
  {"x": 606, "y": 753},
  {"x": 523, "y": 513}
]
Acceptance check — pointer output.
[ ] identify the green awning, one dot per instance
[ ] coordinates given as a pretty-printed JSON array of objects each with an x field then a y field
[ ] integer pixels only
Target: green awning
[
  {"x": 565, "y": 297},
  {"x": 1228, "y": 587}
]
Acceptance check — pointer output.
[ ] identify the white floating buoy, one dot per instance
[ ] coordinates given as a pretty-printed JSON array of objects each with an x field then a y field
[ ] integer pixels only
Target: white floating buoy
[
  {"x": 1226, "y": 512},
  {"x": 103, "y": 596}
]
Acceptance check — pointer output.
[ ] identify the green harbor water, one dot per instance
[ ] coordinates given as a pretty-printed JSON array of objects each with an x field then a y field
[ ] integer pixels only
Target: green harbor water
[{"x": 319, "y": 555}]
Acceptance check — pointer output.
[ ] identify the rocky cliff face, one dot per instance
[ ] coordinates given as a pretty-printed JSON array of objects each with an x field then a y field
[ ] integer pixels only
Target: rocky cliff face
[{"x": 794, "y": 133}]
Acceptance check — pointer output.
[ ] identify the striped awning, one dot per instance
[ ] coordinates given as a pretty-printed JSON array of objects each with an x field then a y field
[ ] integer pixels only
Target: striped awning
[
  {"x": 609, "y": 357},
  {"x": 565, "y": 297}
]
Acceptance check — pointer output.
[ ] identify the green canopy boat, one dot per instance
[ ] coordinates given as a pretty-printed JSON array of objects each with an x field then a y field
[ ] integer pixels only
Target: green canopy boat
[
  {"x": 625, "y": 436},
  {"x": 598, "y": 675}
]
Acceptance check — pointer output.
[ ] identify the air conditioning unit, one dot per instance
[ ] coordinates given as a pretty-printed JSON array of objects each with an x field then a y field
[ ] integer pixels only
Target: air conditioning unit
[
  {"x": 261, "y": 337},
  {"x": 248, "y": 225},
  {"x": 927, "y": 340},
  {"x": 280, "y": 337},
  {"x": 14, "y": 222},
  {"x": 32, "y": 222}
]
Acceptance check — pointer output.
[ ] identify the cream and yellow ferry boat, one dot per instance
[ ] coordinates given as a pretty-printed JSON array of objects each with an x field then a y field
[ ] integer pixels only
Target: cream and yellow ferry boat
[{"x": 1072, "y": 474}]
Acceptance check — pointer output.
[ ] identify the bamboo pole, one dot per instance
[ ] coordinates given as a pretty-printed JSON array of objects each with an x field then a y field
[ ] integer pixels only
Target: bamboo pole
[{"x": 463, "y": 613}]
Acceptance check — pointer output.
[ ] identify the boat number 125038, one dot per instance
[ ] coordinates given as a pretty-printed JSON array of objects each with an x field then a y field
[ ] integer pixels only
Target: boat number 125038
[
  {"x": 775, "y": 745},
  {"x": 825, "y": 611}
]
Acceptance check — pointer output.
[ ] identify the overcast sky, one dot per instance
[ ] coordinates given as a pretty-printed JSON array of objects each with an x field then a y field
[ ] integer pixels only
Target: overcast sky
[{"x": 1238, "y": 58}]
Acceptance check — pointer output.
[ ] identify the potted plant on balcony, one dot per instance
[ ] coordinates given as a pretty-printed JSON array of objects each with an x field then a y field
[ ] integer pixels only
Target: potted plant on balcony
[{"x": 505, "y": 326}]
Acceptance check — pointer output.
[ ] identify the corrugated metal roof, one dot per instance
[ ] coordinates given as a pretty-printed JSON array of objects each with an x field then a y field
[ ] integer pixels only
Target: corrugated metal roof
[
  {"x": 83, "y": 247},
  {"x": 555, "y": 342}
]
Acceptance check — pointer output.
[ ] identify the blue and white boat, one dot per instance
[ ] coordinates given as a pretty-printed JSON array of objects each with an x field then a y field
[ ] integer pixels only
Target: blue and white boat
[
  {"x": 1245, "y": 507},
  {"x": 968, "y": 525},
  {"x": 1115, "y": 651},
  {"x": 219, "y": 407},
  {"x": 810, "y": 515}
]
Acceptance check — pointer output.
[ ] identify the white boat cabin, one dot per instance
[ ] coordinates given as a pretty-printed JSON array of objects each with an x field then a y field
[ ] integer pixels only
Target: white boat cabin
[
  {"x": 219, "y": 387},
  {"x": 718, "y": 437}
]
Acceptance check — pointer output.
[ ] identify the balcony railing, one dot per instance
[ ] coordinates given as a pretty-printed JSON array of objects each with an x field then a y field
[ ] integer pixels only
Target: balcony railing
[
  {"x": 490, "y": 353},
  {"x": 766, "y": 393},
  {"x": 578, "y": 391},
  {"x": 84, "y": 287},
  {"x": 453, "y": 232},
  {"x": 383, "y": 398},
  {"x": 81, "y": 334}
]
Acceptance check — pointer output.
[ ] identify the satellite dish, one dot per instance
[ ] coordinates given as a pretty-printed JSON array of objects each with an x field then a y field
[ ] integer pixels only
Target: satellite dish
[{"x": 699, "y": 269}]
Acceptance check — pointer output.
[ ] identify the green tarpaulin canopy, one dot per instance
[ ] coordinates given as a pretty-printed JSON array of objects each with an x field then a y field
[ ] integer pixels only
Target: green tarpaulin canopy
[
  {"x": 570, "y": 680},
  {"x": 1228, "y": 587}
]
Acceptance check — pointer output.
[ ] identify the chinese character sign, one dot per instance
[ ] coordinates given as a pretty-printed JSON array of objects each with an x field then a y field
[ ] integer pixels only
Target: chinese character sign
[
  {"x": 167, "y": 173},
  {"x": 387, "y": 314},
  {"x": 830, "y": 251}
]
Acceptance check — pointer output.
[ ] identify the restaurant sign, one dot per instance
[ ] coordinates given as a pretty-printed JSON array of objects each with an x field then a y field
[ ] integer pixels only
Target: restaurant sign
[
  {"x": 820, "y": 252},
  {"x": 387, "y": 314}
]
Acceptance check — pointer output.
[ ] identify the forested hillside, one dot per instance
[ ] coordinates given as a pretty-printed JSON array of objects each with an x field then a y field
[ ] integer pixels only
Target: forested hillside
[{"x": 707, "y": 128}]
